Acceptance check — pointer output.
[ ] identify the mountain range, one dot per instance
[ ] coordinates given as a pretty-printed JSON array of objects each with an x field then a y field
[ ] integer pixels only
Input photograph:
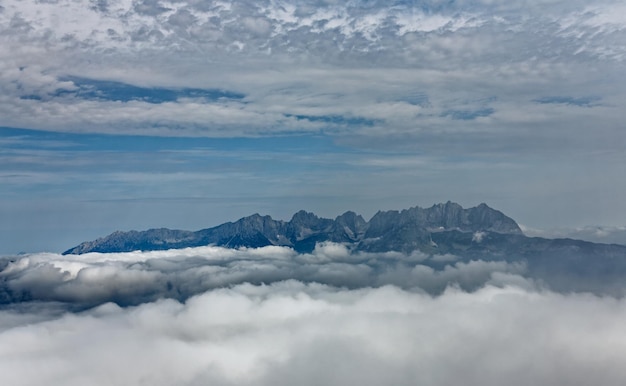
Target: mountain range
[
  {"x": 443, "y": 234},
  {"x": 404, "y": 231}
]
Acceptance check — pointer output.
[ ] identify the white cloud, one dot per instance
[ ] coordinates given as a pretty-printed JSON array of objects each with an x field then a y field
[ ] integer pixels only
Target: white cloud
[
  {"x": 136, "y": 277},
  {"x": 317, "y": 53},
  {"x": 271, "y": 316},
  {"x": 294, "y": 333},
  {"x": 478, "y": 236},
  {"x": 331, "y": 59},
  {"x": 434, "y": 88}
]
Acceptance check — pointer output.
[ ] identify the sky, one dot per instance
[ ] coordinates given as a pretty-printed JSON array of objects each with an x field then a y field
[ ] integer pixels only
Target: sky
[
  {"x": 137, "y": 114},
  {"x": 270, "y": 316}
]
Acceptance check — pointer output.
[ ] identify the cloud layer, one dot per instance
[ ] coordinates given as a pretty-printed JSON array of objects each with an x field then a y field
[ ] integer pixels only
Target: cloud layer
[
  {"x": 471, "y": 101},
  {"x": 133, "y": 278},
  {"x": 406, "y": 69},
  {"x": 269, "y": 316},
  {"x": 295, "y": 333},
  {"x": 509, "y": 102}
]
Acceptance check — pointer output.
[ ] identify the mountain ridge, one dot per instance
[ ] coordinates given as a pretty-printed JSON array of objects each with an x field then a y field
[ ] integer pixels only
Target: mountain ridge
[
  {"x": 406, "y": 230},
  {"x": 438, "y": 236}
]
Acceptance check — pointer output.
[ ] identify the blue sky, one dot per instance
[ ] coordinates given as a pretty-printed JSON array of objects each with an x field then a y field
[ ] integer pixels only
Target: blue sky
[{"x": 120, "y": 114}]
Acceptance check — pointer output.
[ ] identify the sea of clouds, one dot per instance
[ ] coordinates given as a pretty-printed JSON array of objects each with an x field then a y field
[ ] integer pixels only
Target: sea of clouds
[{"x": 271, "y": 316}]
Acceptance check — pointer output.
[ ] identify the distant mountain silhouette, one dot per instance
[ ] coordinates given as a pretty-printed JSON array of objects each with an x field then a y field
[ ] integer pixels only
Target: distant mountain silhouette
[
  {"x": 446, "y": 230},
  {"x": 404, "y": 231}
]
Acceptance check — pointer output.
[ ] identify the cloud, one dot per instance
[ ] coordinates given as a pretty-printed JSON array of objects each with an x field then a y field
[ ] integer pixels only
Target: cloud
[
  {"x": 342, "y": 68},
  {"x": 271, "y": 316},
  {"x": 481, "y": 100},
  {"x": 84, "y": 281},
  {"x": 134, "y": 278},
  {"x": 290, "y": 332}
]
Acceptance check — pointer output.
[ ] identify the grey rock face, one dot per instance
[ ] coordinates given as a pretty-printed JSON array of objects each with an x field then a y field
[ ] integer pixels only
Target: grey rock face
[
  {"x": 443, "y": 237},
  {"x": 349, "y": 226},
  {"x": 153, "y": 239},
  {"x": 479, "y": 233},
  {"x": 405, "y": 231}
]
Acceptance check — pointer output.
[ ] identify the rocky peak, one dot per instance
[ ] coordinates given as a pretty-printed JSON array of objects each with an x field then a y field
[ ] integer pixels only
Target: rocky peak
[
  {"x": 257, "y": 224},
  {"x": 304, "y": 218},
  {"x": 352, "y": 220},
  {"x": 308, "y": 220},
  {"x": 485, "y": 218},
  {"x": 382, "y": 222},
  {"x": 449, "y": 216},
  {"x": 405, "y": 231},
  {"x": 350, "y": 226}
]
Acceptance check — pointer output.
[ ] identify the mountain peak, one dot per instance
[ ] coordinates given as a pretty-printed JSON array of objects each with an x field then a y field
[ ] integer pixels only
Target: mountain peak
[
  {"x": 406, "y": 231},
  {"x": 302, "y": 216},
  {"x": 349, "y": 216},
  {"x": 492, "y": 220}
]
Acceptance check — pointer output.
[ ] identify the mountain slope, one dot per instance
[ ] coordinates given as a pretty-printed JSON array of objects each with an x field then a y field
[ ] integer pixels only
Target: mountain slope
[
  {"x": 405, "y": 231},
  {"x": 441, "y": 235}
]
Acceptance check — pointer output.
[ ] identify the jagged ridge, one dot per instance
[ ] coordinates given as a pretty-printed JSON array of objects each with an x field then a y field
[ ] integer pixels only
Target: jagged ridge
[{"x": 405, "y": 231}]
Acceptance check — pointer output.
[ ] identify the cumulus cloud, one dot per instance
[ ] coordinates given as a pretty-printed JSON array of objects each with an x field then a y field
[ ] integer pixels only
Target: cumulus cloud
[
  {"x": 138, "y": 277},
  {"x": 291, "y": 332},
  {"x": 271, "y": 316},
  {"x": 480, "y": 65}
]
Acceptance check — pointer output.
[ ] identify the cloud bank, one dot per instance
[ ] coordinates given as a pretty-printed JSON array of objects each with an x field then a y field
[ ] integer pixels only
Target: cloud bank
[
  {"x": 269, "y": 316},
  {"x": 290, "y": 332},
  {"x": 134, "y": 278},
  {"x": 423, "y": 70},
  {"x": 480, "y": 100}
]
